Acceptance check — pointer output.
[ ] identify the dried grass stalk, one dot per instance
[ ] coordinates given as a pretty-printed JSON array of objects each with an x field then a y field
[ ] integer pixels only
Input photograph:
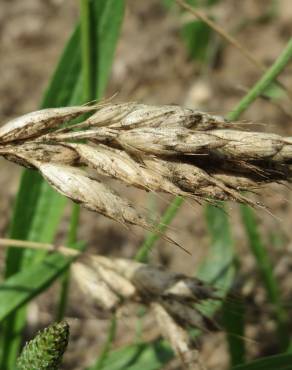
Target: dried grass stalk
[{"x": 168, "y": 149}]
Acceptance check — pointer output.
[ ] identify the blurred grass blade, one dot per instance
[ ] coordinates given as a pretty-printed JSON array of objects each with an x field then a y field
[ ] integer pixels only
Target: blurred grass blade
[
  {"x": 108, "y": 15},
  {"x": 48, "y": 214},
  {"x": 26, "y": 284},
  {"x": 40, "y": 205},
  {"x": 65, "y": 81},
  {"x": 151, "y": 239},
  {"x": 266, "y": 269},
  {"x": 219, "y": 269},
  {"x": 280, "y": 362},
  {"x": 233, "y": 321},
  {"x": 22, "y": 220},
  {"x": 218, "y": 266},
  {"x": 142, "y": 356},
  {"x": 105, "y": 352},
  {"x": 196, "y": 34}
]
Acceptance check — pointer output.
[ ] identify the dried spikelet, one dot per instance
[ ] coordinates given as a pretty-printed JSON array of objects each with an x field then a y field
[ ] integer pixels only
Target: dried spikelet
[
  {"x": 184, "y": 314},
  {"x": 38, "y": 122},
  {"x": 102, "y": 134},
  {"x": 178, "y": 338},
  {"x": 167, "y": 141},
  {"x": 28, "y": 154},
  {"x": 153, "y": 281},
  {"x": 120, "y": 165},
  {"x": 109, "y": 115},
  {"x": 231, "y": 144},
  {"x": 78, "y": 186},
  {"x": 117, "y": 283},
  {"x": 132, "y": 115},
  {"x": 238, "y": 182},
  {"x": 92, "y": 285},
  {"x": 193, "y": 180},
  {"x": 121, "y": 280},
  {"x": 172, "y": 297},
  {"x": 110, "y": 282},
  {"x": 252, "y": 145}
]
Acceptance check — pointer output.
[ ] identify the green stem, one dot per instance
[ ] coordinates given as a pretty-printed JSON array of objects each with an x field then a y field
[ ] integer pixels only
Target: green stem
[
  {"x": 86, "y": 51},
  {"x": 272, "y": 73},
  {"x": 242, "y": 106},
  {"x": 169, "y": 214},
  {"x": 71, "y": 242},
  {"x": 265, "y": 266},
  {"x": 108, "y": 344}
]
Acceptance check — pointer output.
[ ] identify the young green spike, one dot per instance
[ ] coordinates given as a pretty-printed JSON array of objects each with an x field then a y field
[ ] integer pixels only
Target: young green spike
[{"x": 46, "y": 350}]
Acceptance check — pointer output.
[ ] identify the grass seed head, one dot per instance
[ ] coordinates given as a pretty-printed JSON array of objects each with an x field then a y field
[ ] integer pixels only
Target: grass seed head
[
  {"x": 150, "y": 282},
  {"x": 168, "y": 149},
  {"x": 36, "y": 123},
  {"x": 46, "y": 350}
]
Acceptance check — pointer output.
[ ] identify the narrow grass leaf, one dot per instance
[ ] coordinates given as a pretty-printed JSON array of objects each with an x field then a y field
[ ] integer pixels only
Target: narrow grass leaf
[
  {"x": 27, "y": 284},
  {"x": 21, "y": 223},
  {"x": 233, "y": 321},
  {"x": 197, "y": 36},
  {"x": 219, "y": 269},
  {"x": 66, "y": 76},
  {"x": 107, "y": 16},
  {"x": 279, "y": 362},
  {"x": 265, "y": 267}
]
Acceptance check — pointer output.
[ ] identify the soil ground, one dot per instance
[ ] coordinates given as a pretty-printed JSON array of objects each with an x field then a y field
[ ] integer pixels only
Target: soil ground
[{"x": 152, "y": 66}]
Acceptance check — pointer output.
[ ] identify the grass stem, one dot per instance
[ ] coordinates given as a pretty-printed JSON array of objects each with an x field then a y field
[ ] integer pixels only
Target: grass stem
[
  {"x": 107, "y": 345},
  {"x": 169, "y": 214},
  {"x": 265, "y": 267},
  {"x": 272, "y": 73},
  {"x": 71, "y": 242}
]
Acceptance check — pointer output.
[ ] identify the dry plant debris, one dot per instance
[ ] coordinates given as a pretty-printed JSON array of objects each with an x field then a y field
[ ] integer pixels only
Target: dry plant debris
[
  {"x": 168, "y": 149},
  {"x": 173, "y": 298}
]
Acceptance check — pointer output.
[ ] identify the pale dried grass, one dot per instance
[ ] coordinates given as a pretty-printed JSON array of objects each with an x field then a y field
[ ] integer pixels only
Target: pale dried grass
[{"x": 170, "y": 149}]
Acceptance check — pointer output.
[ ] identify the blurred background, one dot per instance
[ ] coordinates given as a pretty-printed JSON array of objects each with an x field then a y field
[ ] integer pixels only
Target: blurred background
[{"x": 155, "y": 63}]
